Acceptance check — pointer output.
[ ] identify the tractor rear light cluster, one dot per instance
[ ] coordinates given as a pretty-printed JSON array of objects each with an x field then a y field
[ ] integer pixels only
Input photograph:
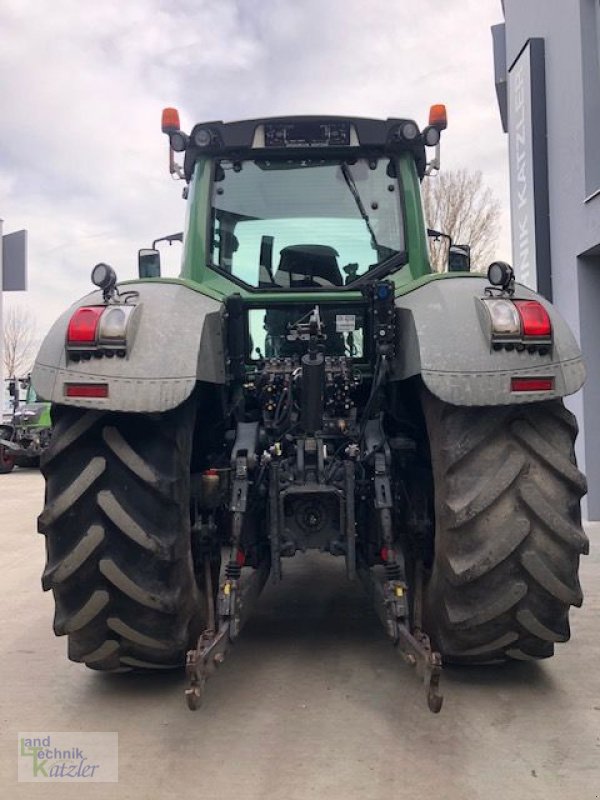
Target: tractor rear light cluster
[
  {"x": 518, "y": 324},
  {"x": 100, "y": 331}
]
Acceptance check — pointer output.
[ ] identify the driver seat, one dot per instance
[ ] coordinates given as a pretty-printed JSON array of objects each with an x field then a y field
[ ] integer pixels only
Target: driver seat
[{"x": 308, "y": 266}]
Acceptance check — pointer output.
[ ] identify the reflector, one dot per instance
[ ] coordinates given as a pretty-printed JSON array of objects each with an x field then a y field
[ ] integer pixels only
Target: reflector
[
  {"x": 531, "y": 384},
  {"x": 86, "y": 390}
]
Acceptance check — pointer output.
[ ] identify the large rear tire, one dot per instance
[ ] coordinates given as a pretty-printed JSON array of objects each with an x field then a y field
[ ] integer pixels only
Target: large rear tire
[
  {"x": 508, "y": 530},
  {"x": 117, "y": 527},
  {"x": 7, "y": 461}
]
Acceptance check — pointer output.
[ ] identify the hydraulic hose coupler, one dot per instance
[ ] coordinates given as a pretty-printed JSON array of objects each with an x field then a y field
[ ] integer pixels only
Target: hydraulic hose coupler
[{"x": 313, "y": 381}]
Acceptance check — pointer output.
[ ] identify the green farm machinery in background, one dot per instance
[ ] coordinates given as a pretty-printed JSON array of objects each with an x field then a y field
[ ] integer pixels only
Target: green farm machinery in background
[{"x": 26, "y": 433}]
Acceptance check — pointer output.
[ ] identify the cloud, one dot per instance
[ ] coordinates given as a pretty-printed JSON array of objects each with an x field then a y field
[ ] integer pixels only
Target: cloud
[{"x": 82, "y": 159}]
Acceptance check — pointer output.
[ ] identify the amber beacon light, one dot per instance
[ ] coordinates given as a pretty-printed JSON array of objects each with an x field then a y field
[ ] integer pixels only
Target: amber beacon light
[{"x": 438, "y": 117}]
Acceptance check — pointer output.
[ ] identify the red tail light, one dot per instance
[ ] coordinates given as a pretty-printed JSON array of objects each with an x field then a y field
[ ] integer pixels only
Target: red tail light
[
  {"x": 83, "y": 325},
  {"x": 535, "y": 319}
]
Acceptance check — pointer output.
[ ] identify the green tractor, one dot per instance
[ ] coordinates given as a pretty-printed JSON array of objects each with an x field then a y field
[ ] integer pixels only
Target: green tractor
[
  {"x": 310, "y": 383},
  {"x": 25, "y": 436}
]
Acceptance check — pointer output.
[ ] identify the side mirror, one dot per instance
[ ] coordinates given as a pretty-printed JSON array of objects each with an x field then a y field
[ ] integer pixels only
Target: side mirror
[
  {"x": 459, "y": 258},
  {"x": 149, "y": 263}
]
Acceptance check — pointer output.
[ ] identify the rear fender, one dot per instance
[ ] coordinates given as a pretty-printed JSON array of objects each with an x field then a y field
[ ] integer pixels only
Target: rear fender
[
  {"x": 444, "y": 337},
  {"x": 178, "y": 341}
]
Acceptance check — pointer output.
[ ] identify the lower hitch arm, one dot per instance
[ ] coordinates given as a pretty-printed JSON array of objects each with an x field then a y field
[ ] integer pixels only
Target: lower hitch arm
[
  {"x": 236, "y": 600},
  {"x": 416, "y": 650},
  {"x": 201, "y": 663},
  {"x": 414, "y": 647}
]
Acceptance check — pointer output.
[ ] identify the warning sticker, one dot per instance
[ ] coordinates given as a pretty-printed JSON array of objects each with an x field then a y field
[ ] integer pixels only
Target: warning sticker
[{"x": 345, "y": 323}]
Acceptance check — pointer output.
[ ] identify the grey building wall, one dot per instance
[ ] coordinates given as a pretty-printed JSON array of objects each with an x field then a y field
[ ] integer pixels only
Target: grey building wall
[{"x": 571, "y": 33}]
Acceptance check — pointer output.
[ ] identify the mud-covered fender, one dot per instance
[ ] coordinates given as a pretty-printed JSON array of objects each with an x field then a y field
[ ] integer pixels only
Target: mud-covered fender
[
  {"x": 178, "y": 341},
  {"x": 445, "y": 337}
]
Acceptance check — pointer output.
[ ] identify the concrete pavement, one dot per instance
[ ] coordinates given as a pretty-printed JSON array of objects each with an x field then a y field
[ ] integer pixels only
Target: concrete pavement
[{"x": 312, "y": 703}]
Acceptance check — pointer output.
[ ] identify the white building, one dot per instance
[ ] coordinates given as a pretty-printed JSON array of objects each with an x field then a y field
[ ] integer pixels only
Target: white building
[{"x": 547, "y": 63}]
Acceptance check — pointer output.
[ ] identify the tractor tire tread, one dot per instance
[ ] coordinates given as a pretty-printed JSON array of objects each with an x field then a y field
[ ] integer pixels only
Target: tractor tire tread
[
  {"x": 124, "y": 589},
  {"x": 508, "y": 530}
]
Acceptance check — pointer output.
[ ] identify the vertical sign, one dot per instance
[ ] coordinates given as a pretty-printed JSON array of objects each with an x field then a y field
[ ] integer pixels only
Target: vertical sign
[
  {"x": 13, "y": 278},
  {"x": 14, "y": 261},
  {"x": 528, "y": 159}
]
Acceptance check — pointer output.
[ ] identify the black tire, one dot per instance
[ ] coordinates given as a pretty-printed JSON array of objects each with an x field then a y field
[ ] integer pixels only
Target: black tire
[
  {"x": 508, "y": 530},
  {"x": 117, "y": 527},
  {"x": 7, "y": 461},
  {"x": 27, "y": 462}
]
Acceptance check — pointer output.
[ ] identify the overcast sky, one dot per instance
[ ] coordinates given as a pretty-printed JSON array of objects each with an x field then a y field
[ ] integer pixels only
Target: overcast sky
[{"x": 83, "y": 164}]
